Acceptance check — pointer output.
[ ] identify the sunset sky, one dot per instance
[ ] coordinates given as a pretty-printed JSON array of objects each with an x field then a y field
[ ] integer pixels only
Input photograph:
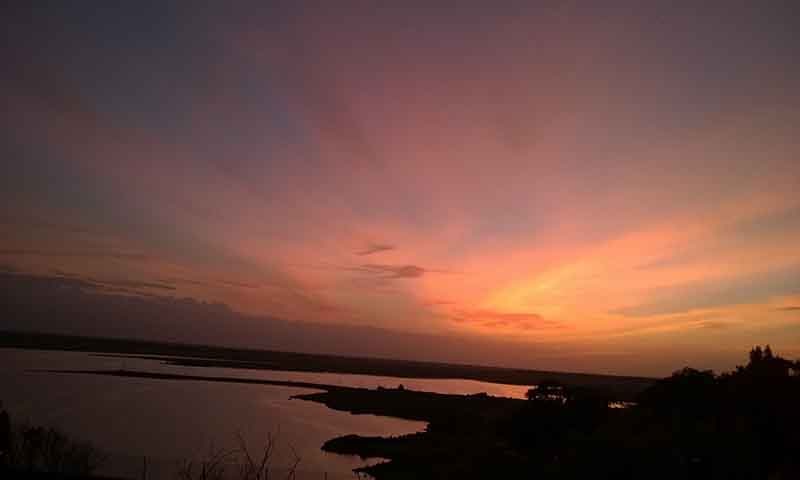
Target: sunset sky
[{"x": 621, "y": 181}]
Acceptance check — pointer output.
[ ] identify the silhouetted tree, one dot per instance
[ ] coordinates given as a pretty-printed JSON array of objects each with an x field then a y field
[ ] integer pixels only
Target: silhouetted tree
[
  {"x": 548, "y": 390},
  {"x": 763, "y": 363},
  {"x": 756, "y": 355},
  {"x": 38, "y": 449},
  {"x": 688, "y": 391}
]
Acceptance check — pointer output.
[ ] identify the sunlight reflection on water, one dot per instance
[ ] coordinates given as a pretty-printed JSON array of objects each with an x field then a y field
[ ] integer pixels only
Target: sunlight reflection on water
[
  {"x": 452, "y": 386},
  {"x": 167, "y": 421}
]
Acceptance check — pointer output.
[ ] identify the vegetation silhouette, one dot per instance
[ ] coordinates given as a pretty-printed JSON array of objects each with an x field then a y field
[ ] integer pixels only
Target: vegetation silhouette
[
  {"x": 237, "y": 464},
  {"x": 692, "y": 425},
  {"x": 35, "y": 452},
  {"x": 32, "y": 451}
]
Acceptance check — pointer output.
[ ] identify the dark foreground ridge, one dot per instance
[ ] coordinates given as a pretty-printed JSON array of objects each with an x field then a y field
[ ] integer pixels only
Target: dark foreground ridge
[
  {"x": 213, "y": 356},
  {"x": 692, "y": 425}
]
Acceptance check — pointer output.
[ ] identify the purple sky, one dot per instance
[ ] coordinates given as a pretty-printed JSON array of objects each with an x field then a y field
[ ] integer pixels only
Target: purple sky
[{"x": 618, "y": 181}]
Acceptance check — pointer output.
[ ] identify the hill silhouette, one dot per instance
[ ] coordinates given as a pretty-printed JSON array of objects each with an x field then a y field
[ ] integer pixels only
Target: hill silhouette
[{"x": 691, "y": 425}]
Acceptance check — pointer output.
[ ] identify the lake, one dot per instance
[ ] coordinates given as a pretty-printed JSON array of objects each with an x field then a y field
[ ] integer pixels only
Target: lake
[{"x": 169, "y": 421}]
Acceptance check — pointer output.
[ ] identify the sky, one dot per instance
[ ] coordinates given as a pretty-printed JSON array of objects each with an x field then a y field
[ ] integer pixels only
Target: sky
[{"x": 606, "y": 188}]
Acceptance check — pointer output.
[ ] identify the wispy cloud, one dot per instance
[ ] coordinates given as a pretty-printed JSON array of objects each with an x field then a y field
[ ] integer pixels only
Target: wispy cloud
[
  {"x": 714, "y": 325},
  {"x": 115, "y": 283},
  {"x": 438, "y": 303},
  {"x": 383, "y": 271},
  {"x": 375, "y": 248},
  {"x": 791, "y": 308},
  {"x": 18, "y": 223},
  {"x": 236, "y": 284},
  {"x": 88, "y": 254},
  {"x": 695, "y": 295},
  {"x": 393, "y": 271},
  {"x": 137, "y": 284},
  {"x": 503, "y": 320},
  {"x": 215, "y": 283}
]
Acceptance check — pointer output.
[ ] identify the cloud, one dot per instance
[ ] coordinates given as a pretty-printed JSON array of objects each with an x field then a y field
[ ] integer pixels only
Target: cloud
[
  {"x": 375, "y": 248},
  {"x": 438, "y": 302},
  {"x": 504, "y": 320},
  {"x": 106, "y": 284},
  {"x": 393, "y": 271},
  {"x": 43, "y": 225},
  {"x": 714, "y": 325},
  {"x": 88, "y": 254},
  {"x": 136, "y": 284},
  {"x": 231, "y": 283},
  {"x": 790, "y": 308},
  {"x": 696, "y": 295},
  {"x": 213, "y": 283}
]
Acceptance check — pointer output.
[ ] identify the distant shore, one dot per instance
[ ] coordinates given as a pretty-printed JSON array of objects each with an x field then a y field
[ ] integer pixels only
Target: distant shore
[{"x": 623, "y": 387}]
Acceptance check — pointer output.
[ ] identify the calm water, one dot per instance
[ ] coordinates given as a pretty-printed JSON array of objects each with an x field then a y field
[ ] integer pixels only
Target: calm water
[
  {"x": 455, "y": 386},
  {"x": 168, "y": 421}
]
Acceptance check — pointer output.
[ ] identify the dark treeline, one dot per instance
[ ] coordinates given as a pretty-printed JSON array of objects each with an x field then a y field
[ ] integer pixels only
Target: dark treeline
[
  {"x": 28, "y": 451},
  {"x": 691, "y": 425}
]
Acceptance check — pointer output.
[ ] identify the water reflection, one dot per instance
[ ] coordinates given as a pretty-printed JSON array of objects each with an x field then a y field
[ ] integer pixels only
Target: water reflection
[
  {"x": 167, "y": 421},
  {"x": 437, "y": 385}
]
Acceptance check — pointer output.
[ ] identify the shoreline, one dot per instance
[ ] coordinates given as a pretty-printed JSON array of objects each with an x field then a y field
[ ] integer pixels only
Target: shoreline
[
  {"x": 624, "y": 387},
  {"x": 440, "y": 411}
]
